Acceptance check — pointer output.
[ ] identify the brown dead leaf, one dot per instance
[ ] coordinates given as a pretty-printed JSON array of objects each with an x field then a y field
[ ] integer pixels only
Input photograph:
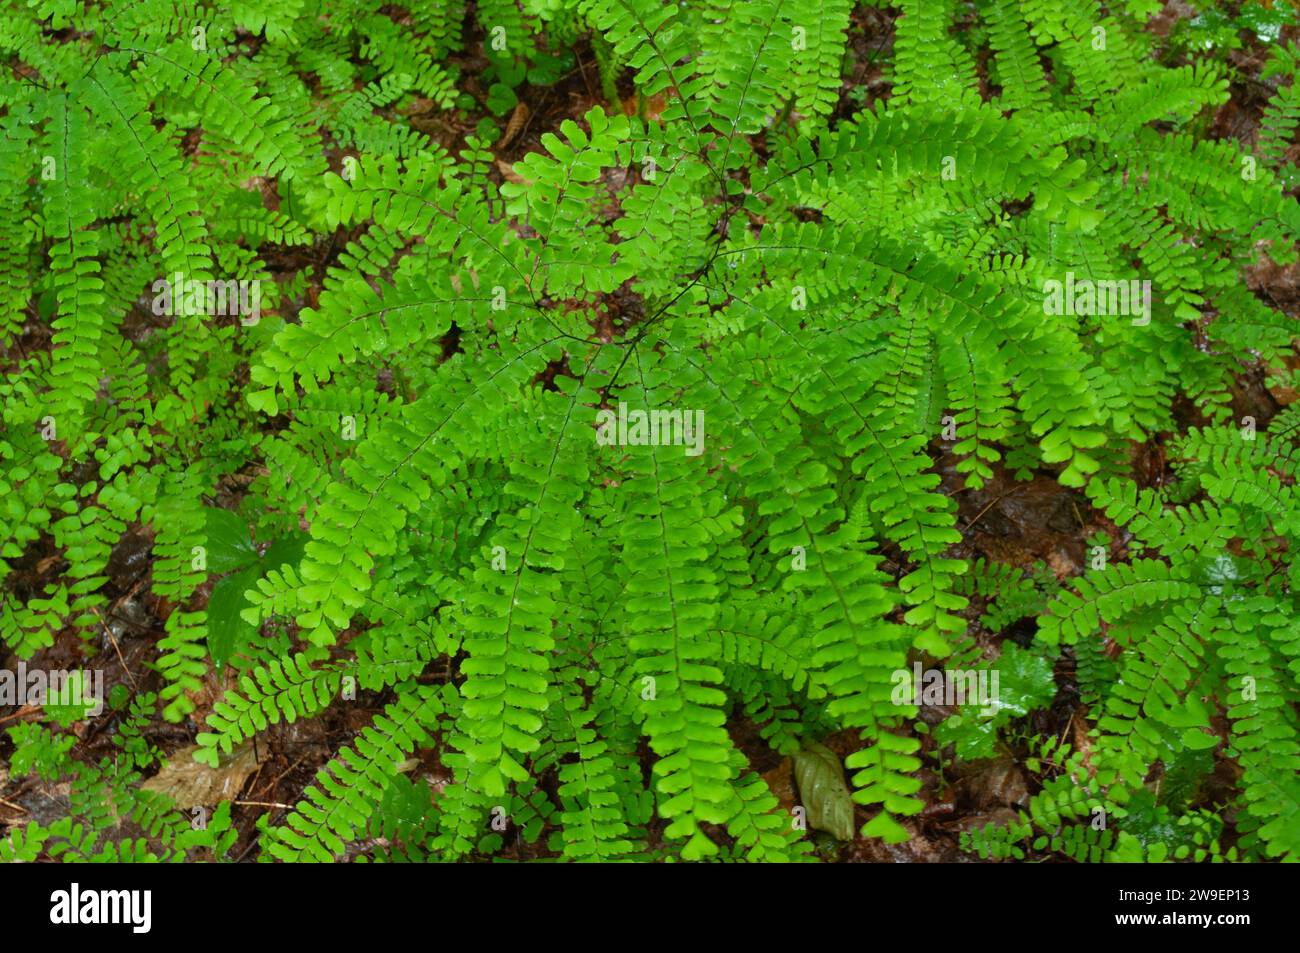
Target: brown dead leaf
[
  {"x": 998, "y": 817},
  {"x": 654, "y": 106},
  {"x": 421, "y": 106},
  {"x": 1083, "y": 743},
  {"x": 1283, "y": 392},
  {"x": 437, "y": 780},
  {"x": 191, "y": 784},
  {"x": 780, "y": 781},
  {"x": 509, "y": 174},
  {"x": 998, "y": 784},
  {"x": 515, "y": 125}
]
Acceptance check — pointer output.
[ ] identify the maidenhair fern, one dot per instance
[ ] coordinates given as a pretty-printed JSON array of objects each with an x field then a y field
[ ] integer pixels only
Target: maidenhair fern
[{"x": 569, "y": 465}]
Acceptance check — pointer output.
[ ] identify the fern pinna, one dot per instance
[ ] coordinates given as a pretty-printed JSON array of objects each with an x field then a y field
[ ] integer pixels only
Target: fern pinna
[{"x": 598, "y": 451}]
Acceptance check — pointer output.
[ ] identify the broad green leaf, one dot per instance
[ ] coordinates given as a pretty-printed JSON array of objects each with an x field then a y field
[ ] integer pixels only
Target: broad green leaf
[
  {"x": 227, "y": 630},
  {"x": 1025, "y": 682},
  {"x": 229, "y": 544},
  {"x": 886, "y": 828},
  {"x": 973, "y": 736},
  {"x": 72, "y": 700},
  {"x": 823, "y": 790},
  {"x": 287, "y": 549}
]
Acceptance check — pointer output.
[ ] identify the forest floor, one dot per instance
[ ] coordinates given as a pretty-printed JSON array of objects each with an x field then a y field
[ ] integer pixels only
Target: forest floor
[{"x": 1011, "y": 521}]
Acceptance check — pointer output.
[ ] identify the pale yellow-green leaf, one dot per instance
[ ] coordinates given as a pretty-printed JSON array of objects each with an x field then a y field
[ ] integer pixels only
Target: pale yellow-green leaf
[{"x": 823, "y": 791}]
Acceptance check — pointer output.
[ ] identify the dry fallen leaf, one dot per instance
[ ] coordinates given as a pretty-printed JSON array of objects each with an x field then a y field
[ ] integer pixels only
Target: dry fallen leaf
[
  {"x": 513, "y": 127},
  {"x": 509, "y": 174},
  {"x": 1282, "y": 391},
  {"x": 191, "y": 784},
  {"x": 780, "y": 780},
  {"x": 999, "y": 783},
  {"x": 654, "y": 106}
]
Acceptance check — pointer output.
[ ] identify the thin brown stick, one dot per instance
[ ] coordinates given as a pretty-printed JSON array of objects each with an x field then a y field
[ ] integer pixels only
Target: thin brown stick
[
  {"x": 1012, "y": 491},
  {"x": 22, "y": 713},
  {"x": 116, "y": 648}
]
